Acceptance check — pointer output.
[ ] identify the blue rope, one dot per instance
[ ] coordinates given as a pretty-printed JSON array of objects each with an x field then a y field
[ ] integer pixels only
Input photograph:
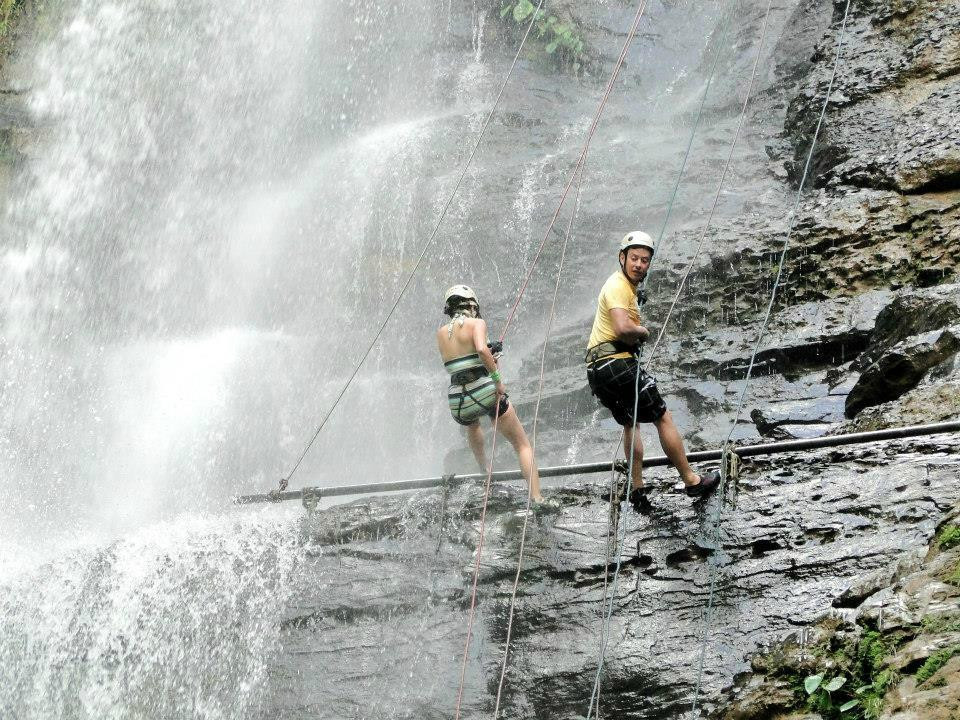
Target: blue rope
[
  {"x": 708, "y": 614},
  {"x": 621, "y": 524}
]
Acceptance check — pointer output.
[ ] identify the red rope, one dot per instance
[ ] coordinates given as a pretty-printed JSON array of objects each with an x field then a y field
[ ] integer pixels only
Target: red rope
[
  {"x": 577, "y": 170},
  {"x": 476, "y": 566},
  {"x": 583, "y": 154}
]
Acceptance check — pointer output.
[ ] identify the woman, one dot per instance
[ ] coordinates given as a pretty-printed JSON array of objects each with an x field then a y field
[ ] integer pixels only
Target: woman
[{"x": 476, "y": 388}]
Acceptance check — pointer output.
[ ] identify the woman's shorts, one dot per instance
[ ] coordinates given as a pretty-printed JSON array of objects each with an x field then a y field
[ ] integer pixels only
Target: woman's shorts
[
  {"x": 470, "y": 402},
  {"x": 613, "y": 382}
]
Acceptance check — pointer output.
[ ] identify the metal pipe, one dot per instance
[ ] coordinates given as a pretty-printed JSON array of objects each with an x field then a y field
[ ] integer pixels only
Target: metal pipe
[{"x": 590, "y": 468}]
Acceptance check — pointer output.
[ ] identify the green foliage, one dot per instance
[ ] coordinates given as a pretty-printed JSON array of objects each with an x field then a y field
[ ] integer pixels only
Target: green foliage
[
  {"x": 949, "y": 537},
  {"x": 942, "y": 624},
  {"x": 855, "y": 688},
  {"x": 871, "y": 651},
  {"x": 934, "y": 663},
  {"x": 953, "y": 576},
  {"x": 560, "y": 38},
  {"x": 7, "y": 10},
  {"x": 821, "y": 695}
]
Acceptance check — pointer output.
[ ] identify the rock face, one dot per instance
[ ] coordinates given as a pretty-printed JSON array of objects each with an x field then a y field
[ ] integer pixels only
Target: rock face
[
  {"x": 864, "y": 334},
  {"x": 394, "y": 576},
  {"x": 912, "y": 335},
  {"x": 794, "y": 535},
  {"x": 891, "y": 648}
]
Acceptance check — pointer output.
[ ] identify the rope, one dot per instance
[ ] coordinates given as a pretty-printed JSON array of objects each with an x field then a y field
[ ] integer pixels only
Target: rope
[
  {"x": 716, "y": 199},
  {"x": 536, "y": 417},
  {"x": 618, "y": 548},
  {"x": 583, "y": 154},
  {"x": 621, "y": 534},
  {"x": 423, "y": 251},
  {"x": 476, "y": 567},
  {"x": 708, "y": 614},
  {"x": 577, "y": 173}
]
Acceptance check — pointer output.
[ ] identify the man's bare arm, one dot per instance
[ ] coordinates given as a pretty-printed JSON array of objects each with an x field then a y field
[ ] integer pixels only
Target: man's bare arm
[{"x": 625, "y": 328}]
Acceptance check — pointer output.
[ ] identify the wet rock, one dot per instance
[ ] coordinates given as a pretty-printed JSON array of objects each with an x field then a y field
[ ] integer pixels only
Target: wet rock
[
  {"x": 861, "y": 240},
  {"x": 896, "y": 653},
  {"x": 911, "y": 313},
  {"x": 901, "y": 368},
  {"x": 892, "y": 99},
  {"x": 806, "y": 335},
  {"x": 868, "y": 585}
]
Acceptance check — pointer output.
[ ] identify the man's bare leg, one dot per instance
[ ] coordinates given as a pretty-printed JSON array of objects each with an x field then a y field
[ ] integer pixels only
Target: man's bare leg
[
  {"x": 673, "y": 448},
  {"x": 631, "y": 438},
  {"x": 475, "y": 440}
]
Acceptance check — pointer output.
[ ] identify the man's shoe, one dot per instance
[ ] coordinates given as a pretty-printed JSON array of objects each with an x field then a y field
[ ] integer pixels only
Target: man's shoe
[
  {"x": 640, "y": 501},
  {"x": 708, "y": 483}
]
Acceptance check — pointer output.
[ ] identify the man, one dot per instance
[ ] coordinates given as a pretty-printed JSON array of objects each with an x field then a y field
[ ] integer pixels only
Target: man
[
  {"x": 613, "y": 366},
  {"x": 476, "y": 388}
]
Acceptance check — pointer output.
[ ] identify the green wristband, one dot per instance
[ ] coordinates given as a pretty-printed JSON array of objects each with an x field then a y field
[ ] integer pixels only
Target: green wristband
[{"x": 495, "y": 376}]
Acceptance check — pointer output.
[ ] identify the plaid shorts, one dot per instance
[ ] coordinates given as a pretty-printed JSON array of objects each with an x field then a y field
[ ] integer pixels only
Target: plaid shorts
[{"x": 613, "y": 382}]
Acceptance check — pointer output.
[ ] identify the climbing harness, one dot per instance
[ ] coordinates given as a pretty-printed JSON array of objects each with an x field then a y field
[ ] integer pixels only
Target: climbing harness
[{"x": 708, "y": 614}]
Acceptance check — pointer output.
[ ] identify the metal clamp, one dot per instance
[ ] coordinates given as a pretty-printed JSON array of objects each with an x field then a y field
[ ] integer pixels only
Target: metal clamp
[
  {"x": 310, "y": 497},
  {"x": 446, "y": 482},
  {"x": 729, "y": 471}
]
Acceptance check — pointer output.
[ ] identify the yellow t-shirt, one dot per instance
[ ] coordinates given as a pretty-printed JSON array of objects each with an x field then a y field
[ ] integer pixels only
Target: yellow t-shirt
[{"x": 617, "y": 292}]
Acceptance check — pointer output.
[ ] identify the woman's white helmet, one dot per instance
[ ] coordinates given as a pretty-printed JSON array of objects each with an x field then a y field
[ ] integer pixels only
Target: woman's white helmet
[
  {"x": 637, "y": 238},
  {"x": 459, "y": 291}
]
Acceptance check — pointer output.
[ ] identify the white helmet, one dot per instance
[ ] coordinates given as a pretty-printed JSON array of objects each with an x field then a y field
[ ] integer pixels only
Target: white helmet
[
  {"x": 459, "y": 291},
  {"x": 637, "y": 238}
]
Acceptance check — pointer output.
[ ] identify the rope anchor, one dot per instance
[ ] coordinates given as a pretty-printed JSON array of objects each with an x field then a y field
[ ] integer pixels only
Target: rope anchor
[
  {"x": 310, "y": 499},
  {"x": 446, "y": 482}
]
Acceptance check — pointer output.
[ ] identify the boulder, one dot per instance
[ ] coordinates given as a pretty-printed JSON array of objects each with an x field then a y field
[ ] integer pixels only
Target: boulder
[{"x": 901, "y": 368}]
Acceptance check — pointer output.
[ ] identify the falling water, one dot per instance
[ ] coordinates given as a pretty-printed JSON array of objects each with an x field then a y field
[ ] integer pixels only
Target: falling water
[{"x": 222, "y": 201}]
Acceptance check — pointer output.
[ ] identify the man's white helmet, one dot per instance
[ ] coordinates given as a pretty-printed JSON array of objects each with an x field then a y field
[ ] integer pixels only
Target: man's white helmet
[
  {"x": 460, "y": 291},
  {"x": 637, "y": 238}
]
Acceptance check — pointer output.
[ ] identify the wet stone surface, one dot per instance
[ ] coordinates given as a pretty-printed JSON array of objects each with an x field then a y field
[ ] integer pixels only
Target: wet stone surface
[{"x": 795, "y": 533}]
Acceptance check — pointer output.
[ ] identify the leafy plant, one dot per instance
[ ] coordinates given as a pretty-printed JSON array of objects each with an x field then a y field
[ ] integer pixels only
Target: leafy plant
[
  {"x": 821, "y": 694},
  {"x": 860, "y": 666},
  {"x": 7, "y": 10},
  {"x": 934, "y": 663},
  {"x": 953, "y": 576},
  {"x": 559, "y": 37},
  {"x": 942, "y": 624},
  {"x": 949, "y": 537}
]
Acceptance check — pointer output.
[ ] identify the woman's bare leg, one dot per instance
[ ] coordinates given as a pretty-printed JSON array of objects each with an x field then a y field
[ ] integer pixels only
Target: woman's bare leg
[
  {"x": 475, "y": 441},
  {"x": 509, "y": 426}
]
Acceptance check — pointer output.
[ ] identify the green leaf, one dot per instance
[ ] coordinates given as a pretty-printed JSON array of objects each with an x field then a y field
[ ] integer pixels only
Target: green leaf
[
  {"x": 812, "y": 683},
  {"x": 835, "y": 684},
  {"x": 863, "y": 688},
  {"x": 848, "y": 705},
  {"x": 505, "y": 10},
  {"x": 522, "y": 10},
  {"x": 551, "y": 48}
]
